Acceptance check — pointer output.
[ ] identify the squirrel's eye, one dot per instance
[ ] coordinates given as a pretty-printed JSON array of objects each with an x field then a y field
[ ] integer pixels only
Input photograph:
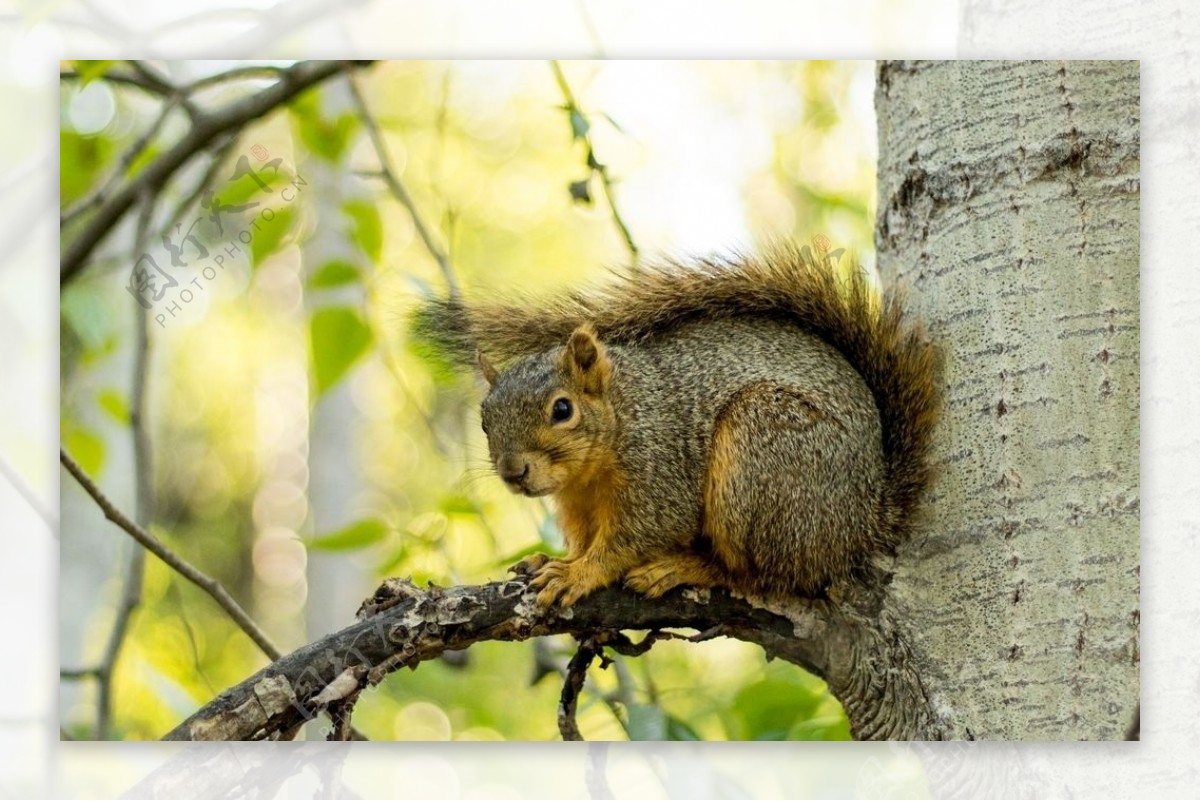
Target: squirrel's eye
[{"x": 561, "y": 411}]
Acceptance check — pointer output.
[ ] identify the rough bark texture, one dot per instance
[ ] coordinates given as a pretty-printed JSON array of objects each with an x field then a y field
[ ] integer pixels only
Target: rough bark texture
[
  {"x": 853, "y": 644},
  {"x": 1008, "y": 201}
]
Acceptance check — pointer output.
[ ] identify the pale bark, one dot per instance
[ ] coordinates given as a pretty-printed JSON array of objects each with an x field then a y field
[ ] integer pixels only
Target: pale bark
[{"x": 1008, "y": 201}]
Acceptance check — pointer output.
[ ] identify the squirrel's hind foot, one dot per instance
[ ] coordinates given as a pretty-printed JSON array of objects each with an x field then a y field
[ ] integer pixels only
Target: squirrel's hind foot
[{"x": 666, "y": 573}]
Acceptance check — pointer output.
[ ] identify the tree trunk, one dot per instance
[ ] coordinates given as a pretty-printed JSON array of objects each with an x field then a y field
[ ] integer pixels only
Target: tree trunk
[{"x": 1008, "y": 202}]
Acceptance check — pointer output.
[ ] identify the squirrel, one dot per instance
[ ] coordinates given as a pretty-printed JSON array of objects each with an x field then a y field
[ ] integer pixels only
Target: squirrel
[{"x": 761, "y": 424}]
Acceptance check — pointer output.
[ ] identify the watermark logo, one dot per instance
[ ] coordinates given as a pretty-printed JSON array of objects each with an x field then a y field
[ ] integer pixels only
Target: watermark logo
[{"x": 167, "y": 281}]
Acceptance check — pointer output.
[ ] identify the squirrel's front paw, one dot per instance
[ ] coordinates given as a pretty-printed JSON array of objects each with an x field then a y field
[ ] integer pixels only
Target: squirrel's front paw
[
  {"x": 563, "y": 583},
  {"x": 531, "y": 564},
  {"x": 553, "y": 580}
]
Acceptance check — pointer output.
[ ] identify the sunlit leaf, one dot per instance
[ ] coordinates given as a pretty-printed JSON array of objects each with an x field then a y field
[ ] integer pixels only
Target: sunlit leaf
[
  {"x": 270, "y": 234},
  {"x": 392, "y": 561},
  {"x": 352, "y": 537},
  {"x": 85, "y": 447},
  {"x": 87, "y": 315},
  {"x": 91, "y": 70},
  {"x": 334, "y": 273},
  {"x": 768, "y": 709},
  {"x": 324, "y": 137},
  {"x": 338, "y": 337},
  {"x": 141, "y": 160},
  {"x": 113, "y": 402},
  {"x": 84, "y": 159},
  {"x": 458, "y": 505},
  {"x": 367, "y": 230},
  {"x": 823, "y": 727}
]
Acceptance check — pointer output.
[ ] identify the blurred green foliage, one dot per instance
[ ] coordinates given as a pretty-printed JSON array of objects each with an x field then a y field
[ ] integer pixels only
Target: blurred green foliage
[{"x": 304, "y": 329}]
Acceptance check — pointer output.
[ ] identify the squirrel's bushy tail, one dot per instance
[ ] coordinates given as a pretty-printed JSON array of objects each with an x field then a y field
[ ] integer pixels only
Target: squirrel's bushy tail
[{"x": 893, "y": 355}]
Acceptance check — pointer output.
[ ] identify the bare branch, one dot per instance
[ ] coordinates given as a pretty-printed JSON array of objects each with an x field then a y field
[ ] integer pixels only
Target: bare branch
[
  {"x": 568, "y": 700},
  {"x": 77, "y": 674},
  {"x": 214, "y": 589},
  {"x": 857, "y": 649},
  {"x": 400, "y": 192},
  {"x": 205, "y": 128},
  {"x": 131, "y": 593}
]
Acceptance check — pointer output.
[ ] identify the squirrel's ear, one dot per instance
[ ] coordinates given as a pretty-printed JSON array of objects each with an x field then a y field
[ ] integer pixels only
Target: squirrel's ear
[
  {"x": 586, "y": 360},
  {"x": 485, "y": 367}
]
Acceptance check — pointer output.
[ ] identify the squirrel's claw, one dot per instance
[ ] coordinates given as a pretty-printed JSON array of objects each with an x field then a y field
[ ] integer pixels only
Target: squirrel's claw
[
  {"x": 554, "y": 582},
  {"x": 530, "y": 565}
]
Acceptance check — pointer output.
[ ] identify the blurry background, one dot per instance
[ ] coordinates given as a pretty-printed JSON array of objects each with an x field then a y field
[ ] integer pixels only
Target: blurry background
[{"x": 299, "y": 450}]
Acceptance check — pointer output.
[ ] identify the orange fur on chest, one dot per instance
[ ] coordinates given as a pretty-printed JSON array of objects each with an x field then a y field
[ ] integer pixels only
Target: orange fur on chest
[{"x": 587, "y": 509}]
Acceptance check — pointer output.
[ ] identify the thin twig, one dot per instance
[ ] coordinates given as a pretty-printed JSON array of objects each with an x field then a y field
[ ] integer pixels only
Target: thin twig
[
  {"x": 594, "y": 164},
  {"x": 120, "y": 77},
  {"x": 568, "y": 701},
  {"x": 205, "y": 128},
  {"x": 77, "y": 674},
  {"x": 131, "y": 592},
  {"x": 401, "y": 193},
  {"x": 98, "y": 195},
  {"x": 220, "y": 153},
  {"x": 176, "y": 562},
  {"x": 255, "y": 72},
  {"x": 153, "y": 78}
]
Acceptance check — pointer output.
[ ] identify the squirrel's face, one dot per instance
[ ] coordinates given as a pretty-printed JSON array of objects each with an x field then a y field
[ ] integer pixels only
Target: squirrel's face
[{"x": 547, "y": 418}]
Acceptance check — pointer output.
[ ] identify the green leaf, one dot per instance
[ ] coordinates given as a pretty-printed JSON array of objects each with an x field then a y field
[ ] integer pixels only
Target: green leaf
[
  {"x": 85, "y": 447},
  {"x": 646, "y": 722},
  {"x": 270, "y": 234},
  {"x": 84, "y": 311},
  {"x": 678, "y": 730},
  {"x": 458, "y": 505},
  {"x": 113, "y": 402},
  {"x": 142, "y": 160},
  {"x": 367, "y": 228},
  {"x": 325, "y": 138},
  {"x": 770, "y": 708},
  {"x": 351, "y": 538},
  {"x": 823, "y": 727},
  {"x": 83, "y": 159},
  {"x": 390, "y": 564},
  {"x": 338, "y": 337},
  {"x": 579, "y": 124},
  {"x": 91, "y": 70},
  {"x": 334, "y": 273}
]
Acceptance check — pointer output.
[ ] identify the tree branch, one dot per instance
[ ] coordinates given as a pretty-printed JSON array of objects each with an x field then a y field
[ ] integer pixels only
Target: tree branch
[
  {"x": 205, "y": 128},
  {"x": 853, "y": 645},
  {"x": 131, "y": 593},
  {"x": 400, "y": 192},
  {"x": 211, "y": 586}
]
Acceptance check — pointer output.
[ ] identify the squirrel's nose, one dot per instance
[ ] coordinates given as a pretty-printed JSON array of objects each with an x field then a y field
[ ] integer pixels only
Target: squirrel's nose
[{"x": 513, "y": 469}]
